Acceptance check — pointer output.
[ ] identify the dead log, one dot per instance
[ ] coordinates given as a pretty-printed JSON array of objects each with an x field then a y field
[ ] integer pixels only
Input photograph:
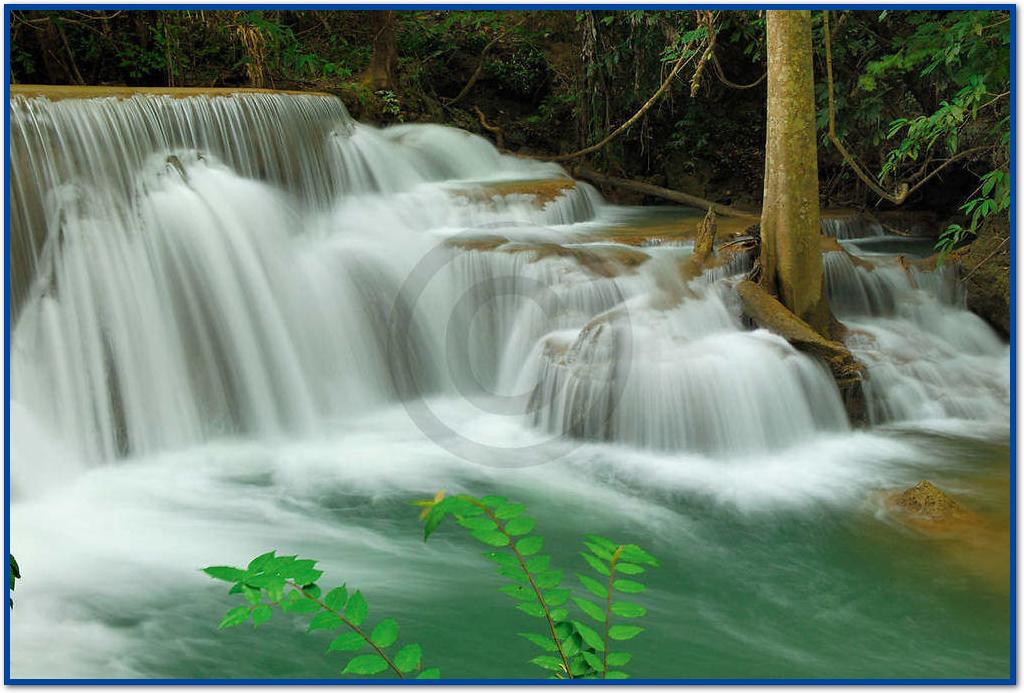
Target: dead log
[{"x": 657, "y": 191}]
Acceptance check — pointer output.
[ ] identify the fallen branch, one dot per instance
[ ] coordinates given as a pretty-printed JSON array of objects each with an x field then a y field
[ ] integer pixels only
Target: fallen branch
[{"x": 664, "y": 193}]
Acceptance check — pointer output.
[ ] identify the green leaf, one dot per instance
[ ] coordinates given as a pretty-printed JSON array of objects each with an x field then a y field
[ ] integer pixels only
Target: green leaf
[
  {"x": 557, "y": 596},
  {"x": 366, "y": 664},
  {"x": 536, "y": 564},
  {"x": 616, "y": 675},
  {"x": 589, "y": 636},
  {"x": 251, "y": 594},
  {"x": 237, "y": 616},
  {"x": 531, "y": 608},
  {"x": 295, "y": 603},
  {"x": 628, "y": 586},
  {"x": 408, "y": 658},
  {"x": 325, "y": 620},
  {"x": 478, "y": 522},
  {"x": 548, "y": 579},
  {"x": 564, "y": 630},
  {"x": 356, "y": 609},
  {"x": 543, "y": 642},
  {"x": 628, "y": 568},
  {"x": 503, "y": 559},
  {"x": 598, "y": 550},
  {"x": 307, "y": 577},
  {"x": 347, "y": 642},
  {"x": 433, "y": 520},
  {"x": 593, "y": 586},
  {"x": 596, "y": 564},
  {"x": 548, "y": 662},
  {"x": 559, "y": 614},
  {"x": 622, "y": 632},
  {"x": 590, "y": 609},
  {"x": 529, "y": 545},
  {"x": 490, "y": 537},
  {"x": 571, "y": 645},
  {"x": 634, "y": 554},
  {"x": 628, "y": 609},
  {"x": 605, "y": 543},
  {"x": 385, "y": 633},
  {"x": 619, "y": 659},
  {"x": 519, "y": 526},
  {"x": 226, "y": 573},
  {"x": 257, "y": 564},
  {"x": 520, "y": 592},
  {"x": 493, "y": 501},
  {"x": 514, "y": 573},
  {"x": 431, "y": 673},
  {"x": 509, "y": 510},
  {"x": 577, "y": 666},
  {"x": 336, "y": 598},
  {"x": 261, "y": 614},
  {"x": 593, "y": 660}
]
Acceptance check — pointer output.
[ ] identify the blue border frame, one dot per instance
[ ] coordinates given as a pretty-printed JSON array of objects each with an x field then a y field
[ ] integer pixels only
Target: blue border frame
[{"x": 1011, "y": 680}]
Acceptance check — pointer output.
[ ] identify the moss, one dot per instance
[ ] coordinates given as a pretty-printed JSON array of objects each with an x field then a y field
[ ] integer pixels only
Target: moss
[{"x": 927, "y": 501}]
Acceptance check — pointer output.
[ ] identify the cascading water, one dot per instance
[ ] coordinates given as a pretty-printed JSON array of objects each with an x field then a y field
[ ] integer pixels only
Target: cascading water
[{"x": 230, "y": 313}]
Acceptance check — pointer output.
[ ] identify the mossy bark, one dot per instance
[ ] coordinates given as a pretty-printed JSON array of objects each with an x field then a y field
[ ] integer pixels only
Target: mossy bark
[{"x": 791, "y": 266}]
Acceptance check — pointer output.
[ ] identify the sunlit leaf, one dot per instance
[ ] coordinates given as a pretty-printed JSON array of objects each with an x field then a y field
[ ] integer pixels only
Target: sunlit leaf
[
  {"x": 385, "y": 633},
  {"x": 356, "y": 609},
  {"x": 408, "y": 658},
  {"x": 366, "y": 664}
]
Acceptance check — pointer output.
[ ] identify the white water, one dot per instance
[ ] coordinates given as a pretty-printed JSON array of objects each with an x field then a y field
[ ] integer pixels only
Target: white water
[{"x": 229, "y": 309}]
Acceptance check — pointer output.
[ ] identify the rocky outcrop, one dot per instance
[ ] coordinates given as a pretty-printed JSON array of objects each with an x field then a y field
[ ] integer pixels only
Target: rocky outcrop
[
  {"x": 925, "y": 501},
  {"x": 985, "y": 272}
]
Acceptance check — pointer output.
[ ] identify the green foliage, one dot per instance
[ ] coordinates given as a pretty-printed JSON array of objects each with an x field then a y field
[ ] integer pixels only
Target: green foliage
[
  {"x": 573, "y": 649},
  {"x": 290, "y": 584},
  {"x": 13, "y": 573}
]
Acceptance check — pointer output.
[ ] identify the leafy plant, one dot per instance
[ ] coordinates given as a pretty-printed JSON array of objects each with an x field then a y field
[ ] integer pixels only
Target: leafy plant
[
  {"x": 572, "y": 648},
  {"x": 13, "y": 573},
  {"x": 290, "y": 583}
]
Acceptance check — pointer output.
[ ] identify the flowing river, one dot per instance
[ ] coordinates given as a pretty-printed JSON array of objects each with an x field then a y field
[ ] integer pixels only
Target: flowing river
[{"x": 246, "y": 322}]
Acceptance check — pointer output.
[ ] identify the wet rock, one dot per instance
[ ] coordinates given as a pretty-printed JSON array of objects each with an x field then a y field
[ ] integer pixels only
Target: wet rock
[
  {"x": 927, "y": 501},
  {"x": 985, "y": 269},
  {"x": 541, "y": 192}
]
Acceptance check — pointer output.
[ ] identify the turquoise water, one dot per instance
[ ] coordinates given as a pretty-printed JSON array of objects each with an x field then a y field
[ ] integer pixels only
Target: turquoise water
[{"x": 802, "y": 580}]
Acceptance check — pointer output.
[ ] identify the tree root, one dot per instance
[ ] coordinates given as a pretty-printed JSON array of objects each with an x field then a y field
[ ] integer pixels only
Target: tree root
[
  {"x": 764, "y": 310},
  {"x": 496, "y": 130}
]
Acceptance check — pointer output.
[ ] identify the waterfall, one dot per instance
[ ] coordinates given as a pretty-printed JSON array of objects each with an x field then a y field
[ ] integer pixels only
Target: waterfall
[
  {"x": 850, "y": 227},
  {"x": 190, "y": 269},
  {"x": 927, "y": 356}
]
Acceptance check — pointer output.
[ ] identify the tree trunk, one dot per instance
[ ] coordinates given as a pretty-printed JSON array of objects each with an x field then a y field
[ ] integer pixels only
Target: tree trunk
[
  {"x": 381, "y": 72},
  {"x": 791, "y": 266}
]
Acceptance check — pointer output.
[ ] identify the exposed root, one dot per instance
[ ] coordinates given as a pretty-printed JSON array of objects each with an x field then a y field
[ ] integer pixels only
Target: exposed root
[{"x": 766, "y": 311}]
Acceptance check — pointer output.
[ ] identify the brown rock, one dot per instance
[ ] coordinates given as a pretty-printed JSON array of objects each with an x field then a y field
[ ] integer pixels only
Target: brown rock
[{"x": 927, "y": 501}]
